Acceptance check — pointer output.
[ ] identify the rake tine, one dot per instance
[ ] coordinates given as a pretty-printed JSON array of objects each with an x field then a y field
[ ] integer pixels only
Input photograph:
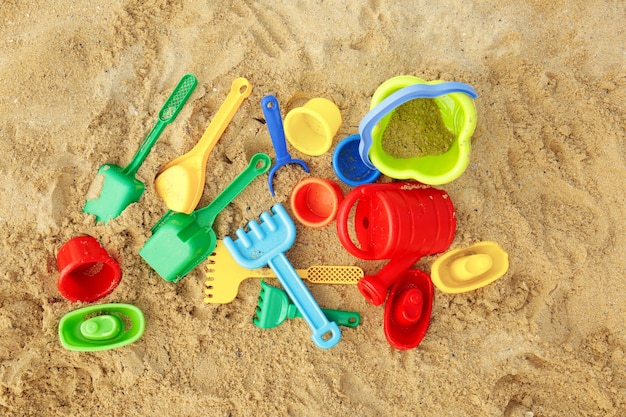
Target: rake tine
[
  {"x": 257, "y": 229},
  {"x": 268, "y": 220},
  {"x": 243, "y": 238}
]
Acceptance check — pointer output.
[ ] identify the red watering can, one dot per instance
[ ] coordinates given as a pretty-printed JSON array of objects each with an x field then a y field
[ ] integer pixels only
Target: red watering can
[{"x": 401, "y": 221}]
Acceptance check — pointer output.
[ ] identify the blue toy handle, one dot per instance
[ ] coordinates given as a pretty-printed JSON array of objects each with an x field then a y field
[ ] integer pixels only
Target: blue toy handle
[
  {"x": 271, "y": 111},
  {"x": 306, "y": 304},
  {"x": 374, "y": 116}
]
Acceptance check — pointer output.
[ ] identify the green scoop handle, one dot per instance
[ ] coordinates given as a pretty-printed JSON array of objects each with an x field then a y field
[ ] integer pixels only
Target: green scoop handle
[
  {"x": 259, "y": 164},
  {"x": 168, "y": 113}
]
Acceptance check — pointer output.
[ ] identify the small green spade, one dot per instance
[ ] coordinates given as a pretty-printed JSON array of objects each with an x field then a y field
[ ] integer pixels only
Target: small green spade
[{"x": 115, "y": 187}]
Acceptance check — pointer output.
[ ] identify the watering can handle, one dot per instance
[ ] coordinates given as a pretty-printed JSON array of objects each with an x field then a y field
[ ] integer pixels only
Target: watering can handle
[
  {"x": 374, "y": 116},
  {"x": 342, "y": 221},
  {"x": 259, "y": 164}
]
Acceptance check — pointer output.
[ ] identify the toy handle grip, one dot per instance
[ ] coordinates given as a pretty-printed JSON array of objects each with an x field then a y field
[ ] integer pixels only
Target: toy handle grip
[
  {"x": 178, "y": 98},
  {"x": 167, "y": 114},
  {"x": 239, "y": 90},
  {"x": 271, "y": 111},
  {"x": 342, "y": 222},
  {"x": 341, "y": 317},
  {"x": 305, "y": 303},
  {"x": 259, "y": 164}
]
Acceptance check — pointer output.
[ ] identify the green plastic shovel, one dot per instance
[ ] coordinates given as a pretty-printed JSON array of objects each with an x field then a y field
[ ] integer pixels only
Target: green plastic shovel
[
  {"x": 114, "y": 187},
  {"x": 180, "y": 241}
]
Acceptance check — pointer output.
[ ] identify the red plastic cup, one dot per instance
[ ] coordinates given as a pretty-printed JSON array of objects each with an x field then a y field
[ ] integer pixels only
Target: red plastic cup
[
  {"x": 88, "y": 272},
  {"x": 315, "y": 201},
  {"x": 408, "y": 309}
]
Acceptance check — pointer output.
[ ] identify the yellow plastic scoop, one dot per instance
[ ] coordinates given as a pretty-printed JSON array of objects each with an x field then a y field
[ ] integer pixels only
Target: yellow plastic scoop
[
  {"x": 180, "y": 183},
  {"x": 467, "y": 269},
  {"x": 224, "y": 275}
]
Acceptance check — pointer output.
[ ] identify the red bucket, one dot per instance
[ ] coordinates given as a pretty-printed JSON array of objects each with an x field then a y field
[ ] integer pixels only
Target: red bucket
[{"x": 88, "y": 272}]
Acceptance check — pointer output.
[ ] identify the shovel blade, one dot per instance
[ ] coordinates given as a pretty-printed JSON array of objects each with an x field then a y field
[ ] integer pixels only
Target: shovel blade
[
  {"x": 178, "y": 246},
  {"x": 111, "y": 192}
]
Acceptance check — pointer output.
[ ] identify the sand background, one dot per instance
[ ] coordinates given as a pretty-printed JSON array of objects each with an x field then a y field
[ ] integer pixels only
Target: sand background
[{"x": 81, "y": 84}]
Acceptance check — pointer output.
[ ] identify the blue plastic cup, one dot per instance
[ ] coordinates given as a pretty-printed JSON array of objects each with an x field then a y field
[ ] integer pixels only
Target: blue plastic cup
[{"x": 348, "y": 165}]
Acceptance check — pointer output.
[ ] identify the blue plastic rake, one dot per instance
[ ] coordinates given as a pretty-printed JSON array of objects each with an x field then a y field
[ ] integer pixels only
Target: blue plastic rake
[{"x": 264, "y": 244}]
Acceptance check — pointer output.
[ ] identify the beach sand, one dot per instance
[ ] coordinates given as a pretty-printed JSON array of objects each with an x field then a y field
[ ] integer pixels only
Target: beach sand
[{"x": 81, "y": 84}]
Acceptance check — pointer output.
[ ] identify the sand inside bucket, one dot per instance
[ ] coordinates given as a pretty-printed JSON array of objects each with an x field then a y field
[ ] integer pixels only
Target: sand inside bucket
[{"x": 416, "y": 129}]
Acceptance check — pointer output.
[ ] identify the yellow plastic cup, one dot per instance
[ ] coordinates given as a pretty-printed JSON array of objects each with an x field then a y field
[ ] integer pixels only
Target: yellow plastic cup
[
  {"x": 311, "y": 128},
  {"x": 459, "y": 116}
]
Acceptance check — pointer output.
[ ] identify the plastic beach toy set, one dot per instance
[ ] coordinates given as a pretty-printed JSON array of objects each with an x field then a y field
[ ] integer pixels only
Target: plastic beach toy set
[{"x": 400, "y": 219}]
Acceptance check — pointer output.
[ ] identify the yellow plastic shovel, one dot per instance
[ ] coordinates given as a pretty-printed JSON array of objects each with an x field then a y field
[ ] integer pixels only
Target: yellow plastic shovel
[{"x": 180, "y": 183}]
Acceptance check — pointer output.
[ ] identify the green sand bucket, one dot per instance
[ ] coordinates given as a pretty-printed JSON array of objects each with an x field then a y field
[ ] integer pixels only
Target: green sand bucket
[{"x": 458, "y": 113}]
